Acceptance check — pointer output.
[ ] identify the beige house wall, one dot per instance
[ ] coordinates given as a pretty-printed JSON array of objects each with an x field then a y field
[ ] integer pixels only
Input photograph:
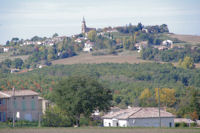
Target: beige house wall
[{"x": 27, "y": 113}]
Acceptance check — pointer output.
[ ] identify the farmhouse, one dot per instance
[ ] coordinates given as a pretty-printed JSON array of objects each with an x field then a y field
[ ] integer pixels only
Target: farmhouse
[
  {"x": 88, "y": 46},
  {"x": 168, "y": 43},
  {"x": 141, "y": 45},
  {"x": 22, "y": 104},
  {"x": 138, "y": 117}
]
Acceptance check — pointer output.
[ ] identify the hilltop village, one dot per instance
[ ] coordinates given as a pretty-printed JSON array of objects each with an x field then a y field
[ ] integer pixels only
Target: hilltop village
[{"x": 148, "y": 39}]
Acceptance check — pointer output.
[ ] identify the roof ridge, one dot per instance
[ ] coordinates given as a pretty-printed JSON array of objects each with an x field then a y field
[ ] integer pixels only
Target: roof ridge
[
  {"x": 5, "y": 94},
  {"x": 140, "y": 108}
]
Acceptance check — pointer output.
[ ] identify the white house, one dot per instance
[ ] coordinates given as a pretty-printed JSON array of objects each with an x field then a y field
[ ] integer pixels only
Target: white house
[
  {"x": 145, "y": 30},
  {"x": 168, "y": 43},
  {"x": 5, "y": 49},
  {"x": 141, "y": 45},
  {"x": 138, "y": 117},
  {"x": 88, "y": 46}
]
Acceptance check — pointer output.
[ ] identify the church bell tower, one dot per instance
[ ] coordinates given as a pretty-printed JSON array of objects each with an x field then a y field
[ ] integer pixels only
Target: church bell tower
[{"x": 83, "y": 28}]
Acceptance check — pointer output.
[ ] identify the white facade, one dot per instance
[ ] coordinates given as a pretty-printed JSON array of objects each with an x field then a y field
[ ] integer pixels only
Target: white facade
[
  {"x": 167, "y": 42},
  {"x": 5, "y": 49},
  {"x": 139, "y": 122},
  {"x": 88, "y": 47}
]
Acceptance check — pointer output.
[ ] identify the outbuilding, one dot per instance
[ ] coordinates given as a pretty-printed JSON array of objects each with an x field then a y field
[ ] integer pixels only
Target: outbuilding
[{"x": 138, "y": 117}]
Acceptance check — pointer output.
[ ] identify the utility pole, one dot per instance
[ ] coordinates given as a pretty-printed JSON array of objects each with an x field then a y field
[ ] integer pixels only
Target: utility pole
[
  {"x": 39, "y": 119},
  {"x": 159, "y": 107},
  {"x": 13, "y": 105}
]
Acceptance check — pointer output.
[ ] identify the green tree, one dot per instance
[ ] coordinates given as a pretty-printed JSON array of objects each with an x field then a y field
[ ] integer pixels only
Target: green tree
[
  {"x": 92, "y": 35},
  {"x": 81, "y": 95},
  {"x": 7, "y": 62},
  {"x": 55, "y": 35},
  {"x": 189, "y": 104},
  {"x": 55, "y": 117},
  {"x": 146, "y": 98},
  {"x": 17, "y": 63}
]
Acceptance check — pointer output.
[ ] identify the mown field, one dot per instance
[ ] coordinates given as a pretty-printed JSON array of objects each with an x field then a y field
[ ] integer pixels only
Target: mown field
[
  {"x": 98, "y": 130},
  {"x": 187, "y": 38},
  {"x": 130, "y": 57},
  {"x": 87, "y": 58}
]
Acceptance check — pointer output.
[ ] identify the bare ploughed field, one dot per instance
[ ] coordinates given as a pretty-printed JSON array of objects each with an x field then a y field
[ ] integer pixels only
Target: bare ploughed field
[{"x": 98, "y": 130}]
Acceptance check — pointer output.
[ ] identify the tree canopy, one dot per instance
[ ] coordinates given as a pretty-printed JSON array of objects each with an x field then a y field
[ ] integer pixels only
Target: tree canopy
[{"x": 81, "y": 95}]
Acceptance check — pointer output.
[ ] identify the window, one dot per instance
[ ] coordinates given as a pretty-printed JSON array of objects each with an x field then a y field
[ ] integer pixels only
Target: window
[
  {"x": 32, "y": 97},
  {"x": 4, "y": 116},
  {"x": 33, "y": 105},
  {"x": 0, "y": 101},
  {"x": 4, "y": 101},
  {"x": 15, "y": 104},
  {"x": 23, "y": 105}
]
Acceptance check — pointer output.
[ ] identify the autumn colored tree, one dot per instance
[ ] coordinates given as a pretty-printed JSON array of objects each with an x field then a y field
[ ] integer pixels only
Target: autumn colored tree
[
  {"x": 167, "y": 96},
  {"x": 187, "y": 63},
  {"x": 146, "y": 98}
]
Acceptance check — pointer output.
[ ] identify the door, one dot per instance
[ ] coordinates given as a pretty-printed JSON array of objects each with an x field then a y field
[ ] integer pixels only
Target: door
[{"x": 28, "y": 117}]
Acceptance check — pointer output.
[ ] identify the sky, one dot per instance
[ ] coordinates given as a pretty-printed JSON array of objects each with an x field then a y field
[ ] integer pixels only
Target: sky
[{"x": 27, "y": 18}]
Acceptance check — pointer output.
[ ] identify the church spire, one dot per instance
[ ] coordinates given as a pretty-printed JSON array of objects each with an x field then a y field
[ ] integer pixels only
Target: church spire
[
  {"x": 83, "y": 28},
  {"x": 83, "y": 19}
]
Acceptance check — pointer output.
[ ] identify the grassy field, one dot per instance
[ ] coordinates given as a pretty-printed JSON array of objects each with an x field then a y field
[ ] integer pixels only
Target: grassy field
[{"x": 98, "y": 130}]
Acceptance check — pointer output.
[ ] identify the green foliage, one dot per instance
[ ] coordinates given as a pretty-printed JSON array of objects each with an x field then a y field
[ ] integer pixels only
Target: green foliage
[
  {"x": 81, "y": 95},
  {"x": 55, "y": 35},
  {"x": 187, "y": 63},
  {"x": 7, "y": 63},
  {"x": 126, "y": 81},
  {"x": 92, "y": 35},
  {"x": 17, "y": 63},
  {"x": 172, "y": 55},
  {"x": 55, "y": 117},
  {"x": 189, "y": 104}
]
